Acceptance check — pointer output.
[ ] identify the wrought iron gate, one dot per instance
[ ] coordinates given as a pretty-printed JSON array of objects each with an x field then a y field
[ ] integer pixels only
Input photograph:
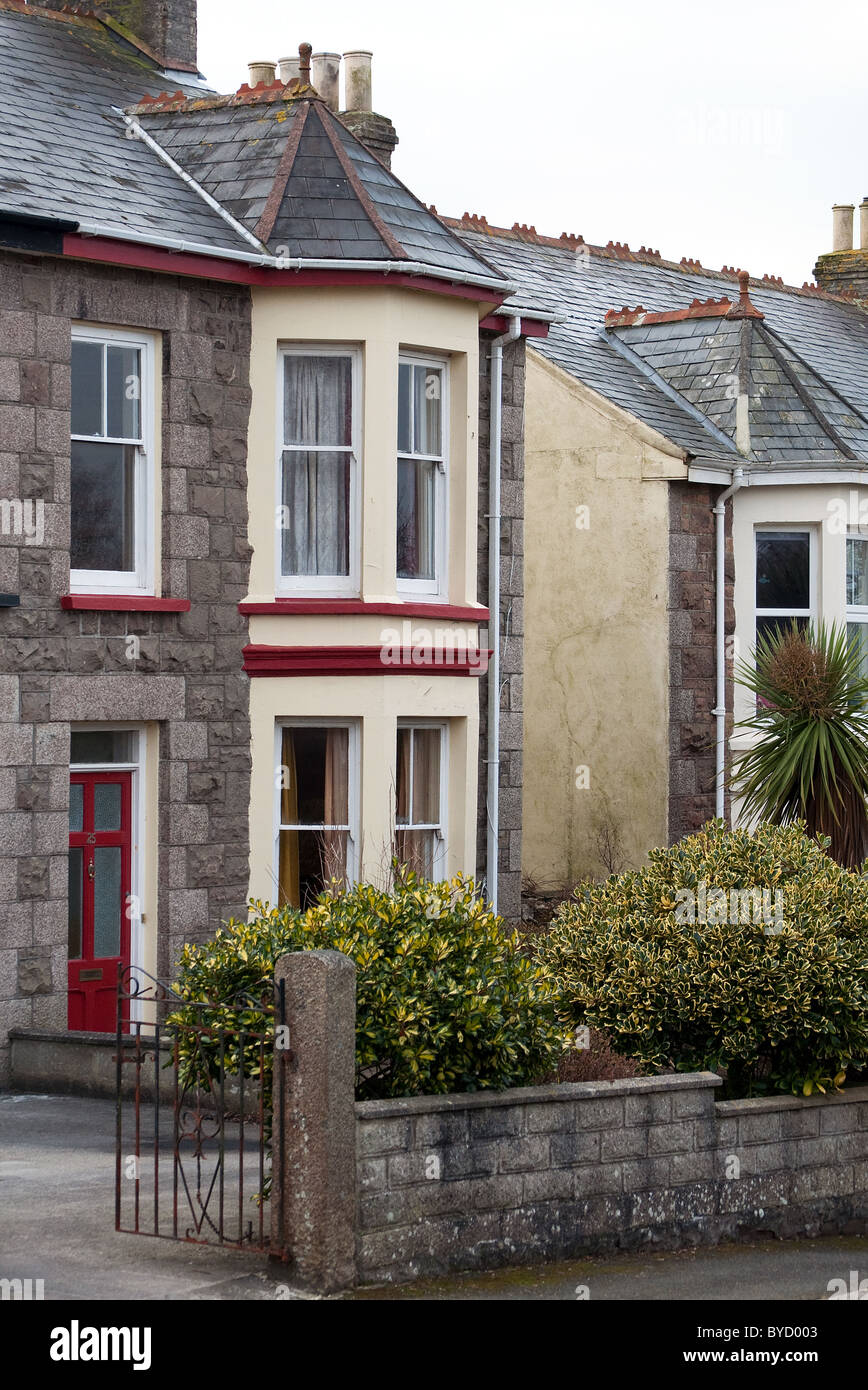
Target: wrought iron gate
[{"x": 195, "y": 1127}]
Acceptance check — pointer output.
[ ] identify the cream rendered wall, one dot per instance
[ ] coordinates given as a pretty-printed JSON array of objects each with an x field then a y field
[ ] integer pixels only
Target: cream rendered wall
[
  {"x": 381, "y": 322},
  {"x": 376, "y": 703},
  {"x": 596, "y": 629}
]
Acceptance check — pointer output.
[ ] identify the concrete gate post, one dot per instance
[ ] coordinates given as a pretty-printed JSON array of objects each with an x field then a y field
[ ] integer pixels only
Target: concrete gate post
[{"x": 313, "y": 1203}]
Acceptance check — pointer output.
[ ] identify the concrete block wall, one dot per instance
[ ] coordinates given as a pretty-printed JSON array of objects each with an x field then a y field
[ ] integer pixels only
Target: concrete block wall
[
  {"x": 60, "y": 667},
  {"x": 487, "y": 1179},
  {"x": 511, "y": 618}
]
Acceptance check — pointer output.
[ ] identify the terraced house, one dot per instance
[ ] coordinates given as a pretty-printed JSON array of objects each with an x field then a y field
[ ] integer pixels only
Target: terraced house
[
  {"x": 249, "y": 390},
  {"x": 696, "y": 472}
]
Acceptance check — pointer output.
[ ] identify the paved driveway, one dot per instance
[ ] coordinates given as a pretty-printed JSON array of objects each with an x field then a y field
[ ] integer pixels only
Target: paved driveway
[{"x": 57, "y": 1224}]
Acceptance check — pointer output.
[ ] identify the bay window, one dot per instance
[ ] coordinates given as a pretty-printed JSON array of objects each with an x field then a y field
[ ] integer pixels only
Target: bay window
[
  {"x": 318, "y": 505},
  {"x": 316, "y": 787},
  {"x": 111, "y": 485},
  {"x": 420, "y": 840},
  {"x": 857, "y": 594},
  {"x": 422, "y": 434}
]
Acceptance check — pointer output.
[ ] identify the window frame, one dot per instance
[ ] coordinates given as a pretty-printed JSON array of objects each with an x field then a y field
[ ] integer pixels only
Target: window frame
[
  {"x": 434, "y": 589},
  {"x": 855, "y": 614},
  {"x": 316, "y": 585},
  {"x": 442, "y": 828},
  {"x": 142, "y": 579},
  {"x": 785, "y": 528},
  {"x": 354, "y": 769}
]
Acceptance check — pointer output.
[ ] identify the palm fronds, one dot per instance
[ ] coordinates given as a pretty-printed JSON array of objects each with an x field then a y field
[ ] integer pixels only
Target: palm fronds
[{"x": 810, "y": 761}]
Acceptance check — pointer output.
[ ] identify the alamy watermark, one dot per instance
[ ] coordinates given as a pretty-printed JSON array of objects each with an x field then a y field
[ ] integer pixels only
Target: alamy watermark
[
  {"x": 433, "y": 646},
  {"x": 24, "y": 517},
  {"x": 733, "y": 906}
]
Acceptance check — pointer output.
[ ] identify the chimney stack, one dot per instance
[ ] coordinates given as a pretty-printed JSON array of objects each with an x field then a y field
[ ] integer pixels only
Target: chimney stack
[
  {"x": 844, "y": 269},
  {"x": 325, "y": 78},
  {"x": 166, "y": 27},
  {"x": 375, "y": 131}
]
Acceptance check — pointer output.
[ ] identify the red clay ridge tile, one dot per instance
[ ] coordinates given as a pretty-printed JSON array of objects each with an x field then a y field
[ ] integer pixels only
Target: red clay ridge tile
[
  {"x": 620, "y": 249},
  {"x": 647, "y": 251},
  {"x": 773, "y": 280},
  {"x": 524, "y": 231},
  {"x": 473, "y": 219},
  {"x": 690, "y": 264},
  {"x": 697, "y": 309},
  {"x": 571, "y": 240}
]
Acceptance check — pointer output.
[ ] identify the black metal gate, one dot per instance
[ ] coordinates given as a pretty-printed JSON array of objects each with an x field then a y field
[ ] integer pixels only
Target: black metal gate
[{"x": 195, "y": 1127}]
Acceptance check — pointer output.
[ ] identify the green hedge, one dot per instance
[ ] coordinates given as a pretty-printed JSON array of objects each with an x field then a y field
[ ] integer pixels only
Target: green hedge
[{"x": 780, "y": 1003}]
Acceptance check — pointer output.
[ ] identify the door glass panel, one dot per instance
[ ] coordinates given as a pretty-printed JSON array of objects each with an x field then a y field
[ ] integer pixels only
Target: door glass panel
[
  {"x": 107, "y": 806},
  {"x": 76, "y": 806},
  {"x": 75, "y": 903},
  {"x": 107, "y": 901}
]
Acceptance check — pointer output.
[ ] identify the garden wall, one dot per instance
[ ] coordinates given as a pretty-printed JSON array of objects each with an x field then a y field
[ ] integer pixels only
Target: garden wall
[
  {"x": 392, "y": 1190},
  {"x": 475, "y": 1181}
]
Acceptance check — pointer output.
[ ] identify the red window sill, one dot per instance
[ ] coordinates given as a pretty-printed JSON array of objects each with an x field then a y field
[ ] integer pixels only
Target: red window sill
[
  {"x": 124, "y": 603},
  {"x": 288, "y": 606}
]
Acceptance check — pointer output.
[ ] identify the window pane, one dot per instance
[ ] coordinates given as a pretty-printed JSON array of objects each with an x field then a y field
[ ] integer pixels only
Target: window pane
[
  {"x": 767, "y": 627},
  {"x": 405, "y": 387},
  {"x": 417, "y": 849},
  {"x": 87, "y": 388},
  {"x": 316, "y": 519},
  {"x": 428, "y": 406},
  {"x": 426, "y": 776},
  {"x": 107, "y": 901},
  {"x": 857, "y": 570},
  {"x": 76, "y": 807},
  {"x": 416, "y": 529},
  {"x": 860, "y": 632},
  {"x": 75, "y": 903},
  {"x": 101, "y": 507},
  {"x": 309, "y": 861},
  {"x": 783, "y": 569},
  {"x": 314, "y": 777},
  {"x": 107, "y": 806},
  {"x": 101, "y": 746},
  {"x": 318, "y": 395},
  {"x": 124, "y": 389}
]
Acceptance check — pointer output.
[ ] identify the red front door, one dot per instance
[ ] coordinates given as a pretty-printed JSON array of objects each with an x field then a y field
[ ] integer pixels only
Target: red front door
[{"x": 99, "y": 886}]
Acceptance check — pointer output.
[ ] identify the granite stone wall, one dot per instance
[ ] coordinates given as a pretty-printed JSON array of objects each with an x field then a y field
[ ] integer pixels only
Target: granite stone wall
[
  {"x": 692, "y": 670},
  {"x": 476, "y": 1181},
  {"x": 511, "y": 618},
  {"x": 58, "y": 667}
]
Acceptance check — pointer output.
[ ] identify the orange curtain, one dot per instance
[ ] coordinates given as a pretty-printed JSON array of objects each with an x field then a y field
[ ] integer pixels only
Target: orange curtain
[{"x": 337, "y": 767}]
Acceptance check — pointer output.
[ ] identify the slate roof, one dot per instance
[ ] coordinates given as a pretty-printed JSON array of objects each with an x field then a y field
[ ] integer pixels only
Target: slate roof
[
  {"x": 291, "y": 172},
  {"x": 678, "y": 384},
  {"x": 62, "y": 150},
  {"x": 276, "y": 160}
]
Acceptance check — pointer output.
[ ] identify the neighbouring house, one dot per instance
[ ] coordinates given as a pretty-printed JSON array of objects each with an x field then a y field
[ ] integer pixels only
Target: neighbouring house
[
  {"x": 246, "y": 418},
  {"x": 693, "y": 438}
]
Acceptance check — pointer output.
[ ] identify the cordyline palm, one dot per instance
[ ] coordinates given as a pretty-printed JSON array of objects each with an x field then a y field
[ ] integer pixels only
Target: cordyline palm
[{"x": 811, "y": 760}]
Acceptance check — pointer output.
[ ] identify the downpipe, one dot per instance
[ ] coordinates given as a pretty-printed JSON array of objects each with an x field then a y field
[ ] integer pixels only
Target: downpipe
[{"x": 719, "y": 711}]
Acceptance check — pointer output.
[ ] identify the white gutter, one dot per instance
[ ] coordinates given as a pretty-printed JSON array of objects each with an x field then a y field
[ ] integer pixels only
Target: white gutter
[
  {"x": 494, "y": 490},
  {"x": 269, "y": 262},
  {"x": 719, "y": 711}
]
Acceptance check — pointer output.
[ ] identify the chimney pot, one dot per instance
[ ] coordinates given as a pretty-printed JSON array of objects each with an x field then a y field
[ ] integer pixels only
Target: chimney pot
[
  {"x": 863, "y": 225},
  {"x": 325, "y": 77},
  {"x": 260, "y": 72},
  {"x": 842, "y": 227},
  {"x": 289, "y": 69},
  {"x": 357, "y": 80}
]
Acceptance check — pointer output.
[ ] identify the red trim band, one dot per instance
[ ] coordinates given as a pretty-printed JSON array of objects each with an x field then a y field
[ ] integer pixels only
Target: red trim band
[
  {"x": 124, "y": 603},
  {"x": 294, "y": 606},
  {"x": 363, "y": 661},
  {"x": 143, "y": 257},
  {"x": 530, "y": 328}
]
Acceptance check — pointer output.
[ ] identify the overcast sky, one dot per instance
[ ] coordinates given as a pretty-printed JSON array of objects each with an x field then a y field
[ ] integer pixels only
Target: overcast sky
[{"x": 719, "y": 131}]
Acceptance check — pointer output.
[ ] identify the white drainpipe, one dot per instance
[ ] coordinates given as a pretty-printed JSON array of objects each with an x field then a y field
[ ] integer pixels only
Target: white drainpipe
[
  {"x": 719, "y": 711},
  {"x": 494, "y": 463}
]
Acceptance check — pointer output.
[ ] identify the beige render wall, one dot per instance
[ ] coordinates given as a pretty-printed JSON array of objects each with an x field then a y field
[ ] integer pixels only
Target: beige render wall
[{"x": 596, "y": 630}]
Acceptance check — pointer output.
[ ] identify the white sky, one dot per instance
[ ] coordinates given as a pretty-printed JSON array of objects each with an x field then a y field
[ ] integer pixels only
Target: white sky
[{"x": 720, "y": 131}]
